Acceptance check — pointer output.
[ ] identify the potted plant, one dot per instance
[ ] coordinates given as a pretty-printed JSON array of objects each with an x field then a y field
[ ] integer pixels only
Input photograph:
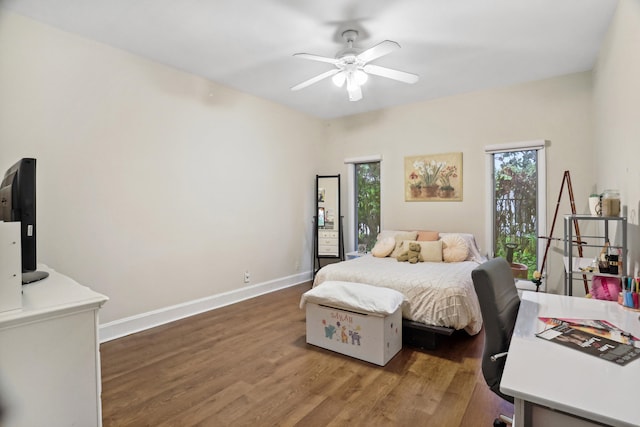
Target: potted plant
[
  {"x": 429, "y": 173},
  {"x": 414, "y": 184},
  {"x": 445, "y": 175}
]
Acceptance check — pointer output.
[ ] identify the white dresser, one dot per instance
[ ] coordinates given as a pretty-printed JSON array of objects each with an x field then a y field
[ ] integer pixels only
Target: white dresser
[
  {"x": 10, "y": 267},
  {"x": 328, "y": 243},
  {"x": 49, "y": 355}
]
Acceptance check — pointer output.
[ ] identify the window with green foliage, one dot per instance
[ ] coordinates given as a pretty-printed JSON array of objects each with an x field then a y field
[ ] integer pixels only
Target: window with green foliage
[
  {"x": 515, "y": 207},
  {"x": 367, "y": 203}
]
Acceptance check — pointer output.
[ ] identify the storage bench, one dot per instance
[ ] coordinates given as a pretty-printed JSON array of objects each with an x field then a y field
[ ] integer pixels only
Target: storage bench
[{"x": 355, "y": 319}]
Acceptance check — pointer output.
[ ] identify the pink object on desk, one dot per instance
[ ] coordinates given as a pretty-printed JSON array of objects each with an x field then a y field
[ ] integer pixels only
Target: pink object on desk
[{"x": 605, "y": 288}]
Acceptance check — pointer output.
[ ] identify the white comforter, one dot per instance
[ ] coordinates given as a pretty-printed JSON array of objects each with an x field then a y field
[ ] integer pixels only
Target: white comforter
[{"x": 436, "y": 293}]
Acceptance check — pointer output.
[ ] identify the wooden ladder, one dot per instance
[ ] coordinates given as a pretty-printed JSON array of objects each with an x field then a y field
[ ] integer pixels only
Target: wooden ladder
[{"x": 566, "y": 179}]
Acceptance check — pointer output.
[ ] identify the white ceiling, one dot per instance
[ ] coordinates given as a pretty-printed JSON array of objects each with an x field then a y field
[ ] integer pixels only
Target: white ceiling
[{"x": 455, "y": 46}]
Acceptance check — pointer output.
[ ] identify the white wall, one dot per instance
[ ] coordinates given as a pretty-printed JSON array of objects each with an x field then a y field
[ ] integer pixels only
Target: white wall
[
  {"x": 617, "y": 113},
  {"x": 158, "y": 187},
  {"x": 558, "y": 110},
  {"x": 155, "y": 187}
]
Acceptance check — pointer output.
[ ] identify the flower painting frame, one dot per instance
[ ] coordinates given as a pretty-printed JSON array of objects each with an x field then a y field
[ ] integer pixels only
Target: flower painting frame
[{"x": 433, "y": 178}]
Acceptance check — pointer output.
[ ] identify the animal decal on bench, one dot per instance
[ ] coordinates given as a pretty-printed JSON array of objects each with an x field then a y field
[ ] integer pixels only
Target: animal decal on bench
[
  {"x": 343, "y": 334},
  {"x": 355, "y": 337},
  {"x": 344, "y": 326},
  {"x": 329, "y": 331}
]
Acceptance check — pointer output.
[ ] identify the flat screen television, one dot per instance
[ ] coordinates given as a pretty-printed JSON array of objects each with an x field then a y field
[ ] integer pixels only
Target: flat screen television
[{"x": 18, "y": 203}]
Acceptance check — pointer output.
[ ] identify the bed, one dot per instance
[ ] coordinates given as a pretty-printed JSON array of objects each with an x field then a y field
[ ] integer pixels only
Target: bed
[{"x": 439, "y": 296}]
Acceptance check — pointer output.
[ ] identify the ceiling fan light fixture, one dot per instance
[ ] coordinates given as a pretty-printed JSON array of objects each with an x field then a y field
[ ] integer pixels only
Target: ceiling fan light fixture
[
  {"x": 338, "y": 79},
  {"x": 360, "y": 77}
]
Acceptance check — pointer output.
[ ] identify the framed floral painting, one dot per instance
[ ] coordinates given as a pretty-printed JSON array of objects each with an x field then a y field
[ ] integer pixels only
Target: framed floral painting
[{"x": 433, "y": 178}]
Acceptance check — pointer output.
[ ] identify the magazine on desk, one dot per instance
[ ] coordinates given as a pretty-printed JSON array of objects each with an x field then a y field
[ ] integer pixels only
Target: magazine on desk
[
  {"x": 601, "y": 328},
  {"x": 595, "y": 337}
]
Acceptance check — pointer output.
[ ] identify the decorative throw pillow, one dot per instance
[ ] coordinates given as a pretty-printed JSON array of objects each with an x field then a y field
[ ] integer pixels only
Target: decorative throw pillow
[
  {"x": 427, "y": 236},
  {"x": 431, "y": 251},
  {"x": 387, "y": 233},
  {"x": 454, "y": 248},
  {"x": 383, "y": 247},
  {"x": 400, "y": 236},
  {"x": 393, "y": 233},
  {"x": 470, "y": 240}
]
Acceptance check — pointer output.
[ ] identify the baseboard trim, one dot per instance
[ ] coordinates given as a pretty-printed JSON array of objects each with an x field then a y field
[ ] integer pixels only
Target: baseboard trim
[{"x": 141, "y": 322}]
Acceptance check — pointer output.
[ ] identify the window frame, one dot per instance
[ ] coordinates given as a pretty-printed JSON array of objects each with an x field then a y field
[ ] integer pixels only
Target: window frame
[{"x": 490, "y": 150}]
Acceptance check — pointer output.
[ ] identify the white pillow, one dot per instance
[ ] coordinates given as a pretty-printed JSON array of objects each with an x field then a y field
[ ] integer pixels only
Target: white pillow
[
  {"x": 474, "y": 251},
  {"x": 454, "y": 248},
  {"x": 431, "y": 250},
  {"x": 400, "y": 236},
  {"x": 383, "y": 247},
  {"x": 354, "y": 296},
  {"x": 393, "y": 233}
]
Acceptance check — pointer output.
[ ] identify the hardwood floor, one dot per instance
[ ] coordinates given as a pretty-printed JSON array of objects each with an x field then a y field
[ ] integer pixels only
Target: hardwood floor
[{"x": 249, "y": 365}]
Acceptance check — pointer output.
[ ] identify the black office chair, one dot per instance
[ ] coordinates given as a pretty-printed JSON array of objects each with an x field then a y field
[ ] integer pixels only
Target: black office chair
[{"x": 499, "y": 304}]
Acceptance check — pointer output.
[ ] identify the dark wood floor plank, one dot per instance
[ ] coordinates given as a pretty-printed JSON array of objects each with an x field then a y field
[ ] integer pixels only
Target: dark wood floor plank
[{"x": 249, "y": 365}]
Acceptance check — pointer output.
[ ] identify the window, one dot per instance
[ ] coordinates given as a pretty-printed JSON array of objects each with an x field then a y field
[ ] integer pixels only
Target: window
[
  {"x": 364, "y": 202},
  {"x": 517, "y": 216},
  {"x": 367, "y": 208}
]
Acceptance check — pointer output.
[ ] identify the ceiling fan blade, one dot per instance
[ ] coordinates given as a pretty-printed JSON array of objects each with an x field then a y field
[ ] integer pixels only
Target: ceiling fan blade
[
  {"x": 315, "y": 79},
  {"x": 316, "y": 58},
  {"x": 381, "y": 49},
  {"x": 390, "y": 73}
]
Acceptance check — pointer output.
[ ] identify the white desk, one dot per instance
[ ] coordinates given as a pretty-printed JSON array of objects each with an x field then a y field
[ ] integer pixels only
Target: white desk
[
  {"x": 49, "y": 355},
  {"x": 556, "y": 385}
]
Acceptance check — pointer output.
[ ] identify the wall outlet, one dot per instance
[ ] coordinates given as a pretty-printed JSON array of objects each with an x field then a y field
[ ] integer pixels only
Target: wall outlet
[{"x": 247, "y": 276}]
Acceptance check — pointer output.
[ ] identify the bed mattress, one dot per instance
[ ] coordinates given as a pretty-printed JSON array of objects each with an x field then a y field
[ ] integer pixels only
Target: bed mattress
[{"x": 436, "y": 293}]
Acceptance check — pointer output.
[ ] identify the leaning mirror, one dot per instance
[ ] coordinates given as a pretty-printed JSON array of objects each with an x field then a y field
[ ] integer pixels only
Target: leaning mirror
[{"x": 328, "y": 227}]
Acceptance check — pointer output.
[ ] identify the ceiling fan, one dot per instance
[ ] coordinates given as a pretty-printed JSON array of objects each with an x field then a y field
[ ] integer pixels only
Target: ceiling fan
[{"x": 353, "y": 66}]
